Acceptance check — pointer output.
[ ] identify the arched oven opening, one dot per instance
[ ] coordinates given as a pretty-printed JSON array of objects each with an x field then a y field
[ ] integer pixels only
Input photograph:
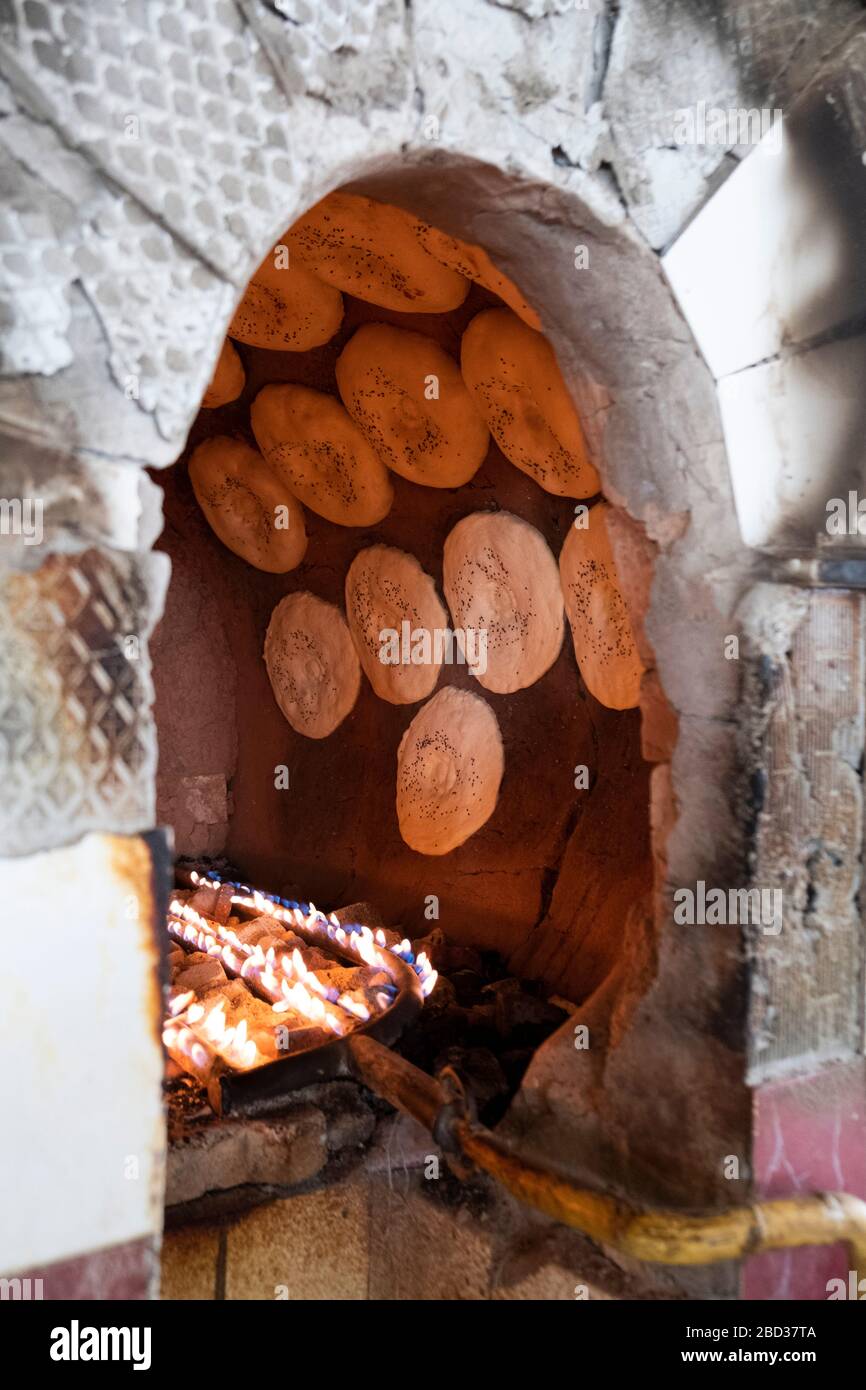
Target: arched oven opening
[{"x": 426, "y": 723}]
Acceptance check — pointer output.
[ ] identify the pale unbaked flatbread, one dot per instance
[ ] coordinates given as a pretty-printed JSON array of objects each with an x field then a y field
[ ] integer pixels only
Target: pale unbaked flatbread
[
  {"x": 604, "y": 644},
  {"x": 386, "y": 587},
  {"x": 449, "y": 767},
  {"x": 500, "y": 577},
  {"x": 312, "y": 665}
]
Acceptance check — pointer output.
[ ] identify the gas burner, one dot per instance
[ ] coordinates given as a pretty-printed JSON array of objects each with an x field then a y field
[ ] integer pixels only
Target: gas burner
[{"x": 265, "y": 991}]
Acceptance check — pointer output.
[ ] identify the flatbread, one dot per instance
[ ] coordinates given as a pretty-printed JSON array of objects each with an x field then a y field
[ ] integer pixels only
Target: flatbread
[
  {"x": 312, "y": 665},
  {"x": 517, "y": 386},
  {"x": 500, "y": 579},
  {"x": 228, "y": 379},
  {"x": 449, "y": 767},
  {"x": 290, "y": 310},
  {"x": 319, "y": 453},
  {"x": 604, "y": 644},
  {"x": 408, "y": 397},
  {"x": 247, "y": 506},
  {"x": 385, "y": 589},
  {"x": 372, "y": 250},
  {"x": 473, "y": 262}
]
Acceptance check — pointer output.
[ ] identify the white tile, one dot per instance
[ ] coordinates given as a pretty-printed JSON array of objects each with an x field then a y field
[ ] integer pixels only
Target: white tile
[
  {"x": 81, "y": 1156},
  {"x": 794, "y": 431},
  {"x": 768, "y": 261}
]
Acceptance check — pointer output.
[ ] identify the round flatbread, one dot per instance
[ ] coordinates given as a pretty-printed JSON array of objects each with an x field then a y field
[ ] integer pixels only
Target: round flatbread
[
  {"x": 312, "y": 665},
  {"x": 502, "y": 584},
  {"x": 604, "y": 644},
  {"x": 251, "y": 511},
  {"x": 319, "y": 453},
  {"x": 449, "y": 767},
  {"x": 397, "y": 623},
  {"x": 289, "y": 310},
  {"x": 228, "y": 379},
  {"x": 372, "y": 250},
  {"x": 517, "y": 386},
  {"x": 473, "y": 262},
  {"x": 409, "y": 398}
]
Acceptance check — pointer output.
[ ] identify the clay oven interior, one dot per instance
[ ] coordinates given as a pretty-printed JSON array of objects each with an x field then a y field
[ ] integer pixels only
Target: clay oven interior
[{"x": 566, "y": 861}]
